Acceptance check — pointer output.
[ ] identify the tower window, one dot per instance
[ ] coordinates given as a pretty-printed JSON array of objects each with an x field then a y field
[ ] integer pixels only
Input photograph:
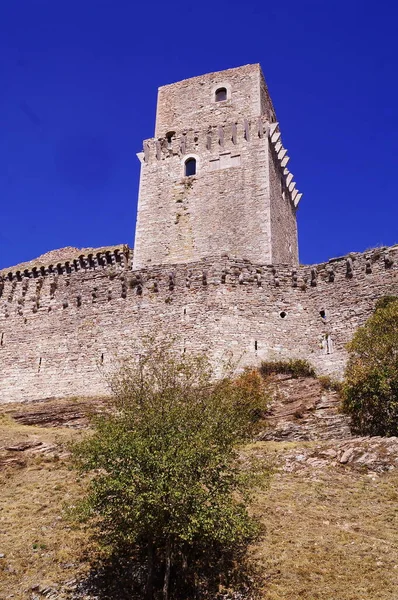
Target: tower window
[
  {"x": 221, "y": 94},
  {"x": 190, "y": 167}
]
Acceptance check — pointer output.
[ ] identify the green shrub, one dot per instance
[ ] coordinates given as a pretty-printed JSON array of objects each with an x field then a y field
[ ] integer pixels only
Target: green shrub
[
  {"x": 384, "y": 301},
  {"x": 370, "y": 391},
  {"x": 165, "y": 486},
  {"x": 296, "y": 367}
]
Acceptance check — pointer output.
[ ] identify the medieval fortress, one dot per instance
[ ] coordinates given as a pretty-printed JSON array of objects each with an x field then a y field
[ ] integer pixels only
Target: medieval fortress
[{"x": 215, "y": 263}]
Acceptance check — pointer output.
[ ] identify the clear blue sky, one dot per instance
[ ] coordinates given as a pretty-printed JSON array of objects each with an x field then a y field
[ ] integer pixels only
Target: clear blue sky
[{"x": 78, "y": 84}]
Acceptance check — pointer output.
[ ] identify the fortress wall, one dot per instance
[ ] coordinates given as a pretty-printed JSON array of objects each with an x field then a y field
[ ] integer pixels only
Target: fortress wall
[{"x": 56, "y": 330}]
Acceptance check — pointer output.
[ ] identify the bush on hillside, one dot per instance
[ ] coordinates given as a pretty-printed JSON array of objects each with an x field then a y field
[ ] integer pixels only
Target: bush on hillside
[
  {"x": 166, "y": 489},
  {"x": 296, "y": 367},
  {"x": 370, "y": 392},
  {"x": 329, "y": 383}
]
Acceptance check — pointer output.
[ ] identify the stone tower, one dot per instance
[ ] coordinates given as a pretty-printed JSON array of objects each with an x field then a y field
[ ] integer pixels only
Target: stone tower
[{"x": 214, "y": 178}]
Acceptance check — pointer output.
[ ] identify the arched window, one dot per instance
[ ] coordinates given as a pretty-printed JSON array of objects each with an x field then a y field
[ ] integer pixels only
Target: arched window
[
  {"x": 221, "y": 94},
  {"x": 190, "y": 167}
]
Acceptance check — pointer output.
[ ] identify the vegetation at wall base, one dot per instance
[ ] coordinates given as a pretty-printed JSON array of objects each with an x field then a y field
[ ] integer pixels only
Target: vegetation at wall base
[
  {"x": 296, "y": 367},
  {"x": 166, "y": 489},
  {"x": 370, "y": 391}
]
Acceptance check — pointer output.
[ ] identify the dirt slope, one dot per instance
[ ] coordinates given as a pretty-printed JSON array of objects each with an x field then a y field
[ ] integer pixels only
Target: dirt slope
[{"x": 330, "y": 513}]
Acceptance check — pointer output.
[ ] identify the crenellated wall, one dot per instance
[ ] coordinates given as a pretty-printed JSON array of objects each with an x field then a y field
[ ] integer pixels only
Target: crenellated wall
[{"x": 60, "y": 323}]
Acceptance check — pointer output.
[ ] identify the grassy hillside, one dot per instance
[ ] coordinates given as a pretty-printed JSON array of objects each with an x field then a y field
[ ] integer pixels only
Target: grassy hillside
[
  {"x": 330, "y": 523},
  {"x": 39, "y": 545}
]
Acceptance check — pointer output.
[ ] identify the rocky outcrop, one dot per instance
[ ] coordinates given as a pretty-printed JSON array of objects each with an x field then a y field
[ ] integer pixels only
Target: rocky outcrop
[
  {"x": 374, "y": 454},
  {"x": 57, "y": 413},
  {"x": 20, "y": 443},
  {"x": 302, "y": 409}
]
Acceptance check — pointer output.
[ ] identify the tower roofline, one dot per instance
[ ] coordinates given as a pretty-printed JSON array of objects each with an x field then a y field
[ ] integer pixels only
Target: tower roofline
[{"x": 209, "y": 75}]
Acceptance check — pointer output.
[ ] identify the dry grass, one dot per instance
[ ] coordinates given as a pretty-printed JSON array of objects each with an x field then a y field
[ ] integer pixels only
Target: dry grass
[
  {"x": 333, "y": 537},
  {"x": 39, "y": 545},
  {"x": 330, "y": 534}
]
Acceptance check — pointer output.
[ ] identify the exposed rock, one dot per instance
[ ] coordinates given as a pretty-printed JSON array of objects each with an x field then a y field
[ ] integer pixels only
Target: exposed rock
[
  {"x": 24, "y": 443},
  {"x": 57, "y": 413},
  {"x": 10, "y": 461},
  {"x": 302, "y": 410},
  {"x": 347, "y": 456},
  {"x": 14, "y": 456},
  {"x": 22, "y": 446},
  {"x": 375, "y": 454}
]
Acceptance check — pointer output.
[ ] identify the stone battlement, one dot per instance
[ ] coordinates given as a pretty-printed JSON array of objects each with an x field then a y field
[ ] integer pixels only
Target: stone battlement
[
  {"x": 57, "y": 330},
  {"x": 103, "y": 277},
  {"x": 98, "y": 258},
  {"x": 218, "y": 140}
]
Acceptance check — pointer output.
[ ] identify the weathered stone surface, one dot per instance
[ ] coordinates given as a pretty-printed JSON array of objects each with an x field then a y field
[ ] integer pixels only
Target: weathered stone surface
[
  {"x": 22, "y": 446},
  {"x": 47, "y": 350},
  {"x": 374, "y": 454},
  {"x": 58, "y": 413},
  {"x": 303, "y": 410},
  {"x": 15, "y": 455}
]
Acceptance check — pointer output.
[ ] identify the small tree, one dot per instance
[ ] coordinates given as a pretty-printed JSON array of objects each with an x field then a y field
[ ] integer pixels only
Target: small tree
[
  {"x": 370, "y": 391},
  {"x": 166, "y": 483}
]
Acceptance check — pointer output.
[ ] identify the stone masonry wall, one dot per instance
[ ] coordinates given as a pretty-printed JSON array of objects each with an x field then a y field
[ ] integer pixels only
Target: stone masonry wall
[
  {"x": 59, "y": 326},
  {"x": 223, "y": 208},
  {"x": 189, "y": 104},
  {"x": 284, "y": 242},
  {"x": 234, "y": 204}
]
